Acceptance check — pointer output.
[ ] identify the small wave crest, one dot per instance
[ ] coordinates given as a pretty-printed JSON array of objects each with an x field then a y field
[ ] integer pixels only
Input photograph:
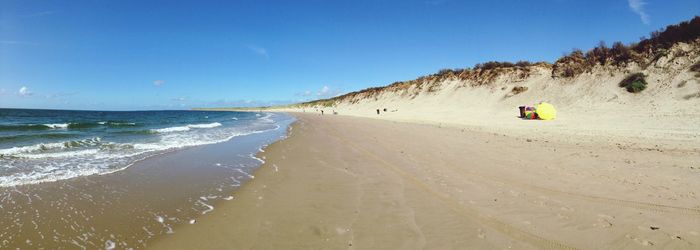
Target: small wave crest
[
  {"x": 102, "y": 151},
  {"x": 26, "y": 151},
  {"x": 70, "y": 125},
  {"x": 56, "y": 125},
  {"x": 186, "y": 127}
]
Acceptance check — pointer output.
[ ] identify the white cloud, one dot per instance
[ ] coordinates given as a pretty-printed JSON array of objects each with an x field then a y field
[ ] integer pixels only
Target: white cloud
[
  {"x": 637, "y": 6},
  {"x": 24, "y": 91},
  {"x": 327, "y": 92},
  {"x": 307, "y": 93},
  {"x": 323, "y": 91},
  {"x": 157, "y": 83},
  {"x": 179, "y": 99},
  {"x": 259, "y": 50}
]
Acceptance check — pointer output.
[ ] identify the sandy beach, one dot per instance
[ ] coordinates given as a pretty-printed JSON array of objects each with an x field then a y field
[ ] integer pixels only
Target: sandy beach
[
  {"x": 348, "y": 182},
  {"x": 432, "y": 124}
]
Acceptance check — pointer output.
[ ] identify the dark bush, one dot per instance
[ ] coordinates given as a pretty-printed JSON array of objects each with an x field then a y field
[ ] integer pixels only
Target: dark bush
[
  {"x": 523, "y": 64},
  {"x": 672, "y": 34},
  {"x": 695, "y": 67},
  {"x": 621, "y": 54},
  {"x": 634, "y": 83},
  {"x": 651, "y": 48},
  {"x": 518, "y": 89},
  {"x": 493, "y": 65}
]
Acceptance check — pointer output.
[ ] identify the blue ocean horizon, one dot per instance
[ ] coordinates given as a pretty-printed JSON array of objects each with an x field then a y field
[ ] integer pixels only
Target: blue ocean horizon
[{"x": 40, "y": 145}]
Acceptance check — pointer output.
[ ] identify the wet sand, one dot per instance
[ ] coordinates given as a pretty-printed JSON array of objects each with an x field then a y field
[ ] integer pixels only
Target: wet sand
[
  {"x": 343, "y": 182},
  {"x": 128, "y": 208}
]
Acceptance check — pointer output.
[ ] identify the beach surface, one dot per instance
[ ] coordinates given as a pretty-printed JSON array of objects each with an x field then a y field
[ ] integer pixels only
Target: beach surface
[{"x": 349, "y": 182}]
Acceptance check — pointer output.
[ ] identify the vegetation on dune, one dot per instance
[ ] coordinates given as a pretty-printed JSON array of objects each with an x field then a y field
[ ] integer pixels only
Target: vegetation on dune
[
  {"x": 642, "y": 53},
  {"x": 568, "y": 66},
  {"x": 518, "y": 89},
  {"x": 696, "y": 68},
  {"x": 634, "y": 83}
]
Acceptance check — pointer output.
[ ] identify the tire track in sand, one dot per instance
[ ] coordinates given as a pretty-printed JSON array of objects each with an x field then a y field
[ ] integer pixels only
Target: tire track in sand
[
  {"x": 513, "y": 232},
  {"x": 647, "y": 206}
]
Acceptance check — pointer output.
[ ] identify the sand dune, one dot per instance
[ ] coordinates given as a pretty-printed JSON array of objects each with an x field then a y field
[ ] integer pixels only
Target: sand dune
[
  {"x": 591, "y": 106},
  {"x": 449, "y": 165}
]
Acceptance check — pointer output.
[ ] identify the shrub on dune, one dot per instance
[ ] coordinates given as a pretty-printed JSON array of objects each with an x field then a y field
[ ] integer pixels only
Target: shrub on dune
[{"x": 634, "y": 83}]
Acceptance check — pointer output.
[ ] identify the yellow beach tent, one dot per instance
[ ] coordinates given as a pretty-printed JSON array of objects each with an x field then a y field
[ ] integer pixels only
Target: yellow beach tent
[{"x": 546, "y": 111}]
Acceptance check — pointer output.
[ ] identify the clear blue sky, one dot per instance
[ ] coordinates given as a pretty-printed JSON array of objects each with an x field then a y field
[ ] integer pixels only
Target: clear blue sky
[{"x": 126, "y": 55}]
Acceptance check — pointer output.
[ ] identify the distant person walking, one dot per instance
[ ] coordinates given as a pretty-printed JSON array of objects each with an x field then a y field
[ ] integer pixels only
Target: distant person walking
[
  {"x": 322, "y": 112},
  {"x": 377, "y": 111}
]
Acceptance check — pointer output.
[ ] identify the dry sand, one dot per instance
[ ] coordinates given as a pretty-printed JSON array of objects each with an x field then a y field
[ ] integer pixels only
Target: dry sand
[{"x": 347, "y": 182}]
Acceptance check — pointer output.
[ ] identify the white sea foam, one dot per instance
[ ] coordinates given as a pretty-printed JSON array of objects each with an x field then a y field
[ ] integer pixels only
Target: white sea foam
[
  {"x": 123, "y": 123},
  {"x": 186, "y": 127},
  {"x": 46, "y": 147},
  {"x": 209, "y": 208},
  {"x": 48, "y": 162},
  {"x": 207, "y": 125},
  {"x": 256, "y": 158},
  {"x": 171, "y": 129},
  {"x": 75, "y": 153},
  {"x": 56, "y": 125},
  {"x": 266, "y": 117}
]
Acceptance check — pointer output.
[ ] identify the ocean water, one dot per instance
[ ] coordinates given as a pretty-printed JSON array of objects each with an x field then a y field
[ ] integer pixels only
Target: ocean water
[
  {"x": 118, "y": 180},
  {"x": 50, "y": 145}
]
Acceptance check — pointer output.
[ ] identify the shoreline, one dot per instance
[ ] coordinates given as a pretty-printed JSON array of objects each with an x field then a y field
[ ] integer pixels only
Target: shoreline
[
  {"x": 129, "y": 207},
  {"x": 563, "y": 129},
  {"x": 347, "y": 182}
]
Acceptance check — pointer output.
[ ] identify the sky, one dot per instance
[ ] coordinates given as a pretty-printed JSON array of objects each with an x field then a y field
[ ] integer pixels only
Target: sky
[{"x": 146, "y": 55}]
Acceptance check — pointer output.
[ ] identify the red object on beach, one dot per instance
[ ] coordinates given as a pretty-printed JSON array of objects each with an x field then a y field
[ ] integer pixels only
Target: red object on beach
[{"x": 530, "y": 115}]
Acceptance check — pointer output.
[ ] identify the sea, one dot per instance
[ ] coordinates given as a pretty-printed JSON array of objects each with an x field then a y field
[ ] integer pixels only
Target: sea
[{"x": 117, "y": 179}]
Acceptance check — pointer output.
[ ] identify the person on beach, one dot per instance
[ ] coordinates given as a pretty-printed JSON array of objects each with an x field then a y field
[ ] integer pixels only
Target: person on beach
[
  {"x": 377, "y": 111},
  {"x": 322, "y": 112}
]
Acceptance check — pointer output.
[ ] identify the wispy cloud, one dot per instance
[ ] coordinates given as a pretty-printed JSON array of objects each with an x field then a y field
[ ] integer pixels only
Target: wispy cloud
[
  {"x": 158, "y": 83},
  {"x": 324, "y": 92},
  {"x": 24, "y": 91},
  {"x": 259, "y": 50},
  {"x": 637, "y": 6},
  {"x": 307, "y": 93},
  {"x": 179, "y": 99}
]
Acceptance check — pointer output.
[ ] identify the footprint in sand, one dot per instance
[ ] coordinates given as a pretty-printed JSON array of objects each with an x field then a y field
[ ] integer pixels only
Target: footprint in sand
[
  {"x": 604, "y": 221},
  {"x": 563, "y": 216},
  {"x": 481, "y": 234},
  {"x": 642, "y": 242}
]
